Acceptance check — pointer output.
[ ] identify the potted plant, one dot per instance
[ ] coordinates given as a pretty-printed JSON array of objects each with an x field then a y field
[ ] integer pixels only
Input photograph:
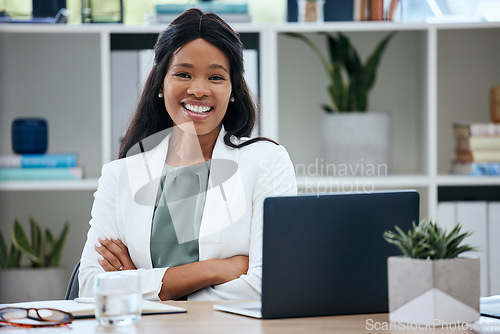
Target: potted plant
[
  {"x": 43, "y": 279},
  {"x": 431, "y": 284},
  {"x": 350, "y": 135}
]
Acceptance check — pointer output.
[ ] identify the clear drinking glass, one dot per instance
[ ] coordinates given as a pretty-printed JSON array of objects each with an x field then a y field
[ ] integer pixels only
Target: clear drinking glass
[{"x": 118, "y": 298}]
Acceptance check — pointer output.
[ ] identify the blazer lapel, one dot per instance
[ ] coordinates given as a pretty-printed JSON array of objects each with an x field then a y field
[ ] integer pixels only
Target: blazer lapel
[
  {"x": 144, "y": 172},
  {"x": 222, "y": 204}
]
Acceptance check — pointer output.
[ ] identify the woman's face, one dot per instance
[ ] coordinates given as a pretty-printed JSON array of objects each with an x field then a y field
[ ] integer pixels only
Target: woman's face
[{"x": 197, "y": 86}]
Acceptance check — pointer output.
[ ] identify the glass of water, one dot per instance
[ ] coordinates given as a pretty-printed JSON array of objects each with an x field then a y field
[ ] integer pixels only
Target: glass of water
[{"x": 118, "y": 298}]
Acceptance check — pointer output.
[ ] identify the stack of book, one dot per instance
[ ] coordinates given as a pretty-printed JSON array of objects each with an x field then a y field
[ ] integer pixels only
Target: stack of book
[
  {"x": 20, "y": 167},
  {"x": 477, "y": 148},
  {"x": 230, "y": 12}
]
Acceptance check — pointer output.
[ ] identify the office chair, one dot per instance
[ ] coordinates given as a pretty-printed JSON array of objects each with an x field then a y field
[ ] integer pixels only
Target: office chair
[{"x": 73, "y": 286}]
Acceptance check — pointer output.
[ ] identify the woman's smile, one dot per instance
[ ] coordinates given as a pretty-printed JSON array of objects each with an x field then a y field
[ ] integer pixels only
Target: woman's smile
[{"x": 197, "y": 111}]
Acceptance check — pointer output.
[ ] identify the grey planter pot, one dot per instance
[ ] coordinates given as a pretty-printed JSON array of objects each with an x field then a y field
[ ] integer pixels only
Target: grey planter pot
[
  {"x": 30, "y": 284},
  {"x": 433, "y": 292},
  {"x": 359, "y": 143}
]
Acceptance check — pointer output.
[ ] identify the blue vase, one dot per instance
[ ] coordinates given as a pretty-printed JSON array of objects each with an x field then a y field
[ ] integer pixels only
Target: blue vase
[{"x": 29, "y": 136}]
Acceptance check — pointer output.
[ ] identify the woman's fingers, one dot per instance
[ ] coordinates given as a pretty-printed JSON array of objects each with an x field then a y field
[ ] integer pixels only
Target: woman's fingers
[
  {"x": 114, "y": 253},
  {"x": 106, "y": 265},
  {"x": 108, "y": 260},
  {"x": 122, "y": 253},
  {"x": 117, "y": 246}
]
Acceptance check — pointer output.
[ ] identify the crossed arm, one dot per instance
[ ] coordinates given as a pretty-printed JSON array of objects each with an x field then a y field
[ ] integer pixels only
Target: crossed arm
[{"x": 177, "y": 281}]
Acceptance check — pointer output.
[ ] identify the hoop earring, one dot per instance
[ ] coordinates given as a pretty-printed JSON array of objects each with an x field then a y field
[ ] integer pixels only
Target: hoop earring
[
  {"x": 231, "y": 99},
  {"x": 160, "y": 95}
]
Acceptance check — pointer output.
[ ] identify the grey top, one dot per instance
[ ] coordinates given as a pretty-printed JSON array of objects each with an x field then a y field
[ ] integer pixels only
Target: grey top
[{"x": 177, "y": 217}]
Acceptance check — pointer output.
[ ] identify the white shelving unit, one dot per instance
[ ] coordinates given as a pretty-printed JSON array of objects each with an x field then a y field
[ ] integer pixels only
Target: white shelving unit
[
  {"x": 430, "y": 76},
  {"x": 420, "y": 82}
]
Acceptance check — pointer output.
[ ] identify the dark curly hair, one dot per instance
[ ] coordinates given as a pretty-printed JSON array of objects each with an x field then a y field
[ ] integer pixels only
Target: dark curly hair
[{"x": 151, "y": 116}]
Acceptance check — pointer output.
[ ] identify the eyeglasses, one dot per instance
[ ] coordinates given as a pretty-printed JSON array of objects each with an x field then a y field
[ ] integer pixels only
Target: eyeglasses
[{"x": 34, "y": 317}]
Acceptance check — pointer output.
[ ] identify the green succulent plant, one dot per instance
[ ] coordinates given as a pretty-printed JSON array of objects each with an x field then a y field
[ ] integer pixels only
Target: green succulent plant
[
  {"x": 44, "y": 251},
  {"x": 428, "y": 240},
  {"x": 350, "y": 81},
  {"x": 9, "y": 258}
]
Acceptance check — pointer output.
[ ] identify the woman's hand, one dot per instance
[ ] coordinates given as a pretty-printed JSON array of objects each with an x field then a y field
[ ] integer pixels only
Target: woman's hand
[
  {"x": 228, "y": 269},
  {"x": 185, "y": 279},
  {"x": 115, "y": 256}
]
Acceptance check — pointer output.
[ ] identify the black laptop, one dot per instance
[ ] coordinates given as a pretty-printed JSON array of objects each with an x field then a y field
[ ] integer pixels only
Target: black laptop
[{"x": 325, "y": 255}]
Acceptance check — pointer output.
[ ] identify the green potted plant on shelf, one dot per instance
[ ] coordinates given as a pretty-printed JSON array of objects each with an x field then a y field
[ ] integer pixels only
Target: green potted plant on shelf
[
  {"x": 431, "y": 284},
  {"x": 350, "y": 80},
  {"x": 350, "y": 134},
  {"x": 43, "y": 278}
]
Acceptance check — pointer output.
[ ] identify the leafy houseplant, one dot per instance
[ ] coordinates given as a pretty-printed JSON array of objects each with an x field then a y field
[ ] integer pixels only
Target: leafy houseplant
[
  {"x": 428, "y": 240},
  {"x": 44, "y": 251},
  {"x": 351, "y": 136},
  {"x": 350, "y": 80},
  {"x": 431, "y": 285},
  {"x": 43, "y": 280},
  {"x": 9, "y": 259}
]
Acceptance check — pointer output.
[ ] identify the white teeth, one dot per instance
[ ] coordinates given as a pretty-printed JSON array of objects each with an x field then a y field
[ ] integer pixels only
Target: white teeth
[{"x": 197, "y": 109}]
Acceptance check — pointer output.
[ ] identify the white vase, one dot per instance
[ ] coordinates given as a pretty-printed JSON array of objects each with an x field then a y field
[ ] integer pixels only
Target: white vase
[
  {"x": 30, "y": 284},
  {"x": 359, "y": 143},
  {"x": 433, "y": 292}
]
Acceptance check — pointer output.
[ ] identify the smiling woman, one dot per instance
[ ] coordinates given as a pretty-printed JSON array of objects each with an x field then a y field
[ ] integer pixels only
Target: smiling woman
[{"x": 186, "y": 211}]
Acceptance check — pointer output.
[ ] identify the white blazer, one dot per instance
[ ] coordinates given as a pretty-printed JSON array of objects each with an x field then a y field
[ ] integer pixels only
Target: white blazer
[{"x": 232, "y": 217}]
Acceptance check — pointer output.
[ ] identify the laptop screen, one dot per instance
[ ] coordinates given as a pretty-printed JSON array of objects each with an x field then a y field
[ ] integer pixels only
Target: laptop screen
[{"x": 325, "y": 255}]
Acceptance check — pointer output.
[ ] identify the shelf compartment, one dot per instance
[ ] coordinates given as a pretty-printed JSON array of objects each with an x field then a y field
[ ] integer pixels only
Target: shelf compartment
[
  {"x": 465, "y": 76},
  {"x": 56, "y": 77},
  {"x": 302, "y": 84}
]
